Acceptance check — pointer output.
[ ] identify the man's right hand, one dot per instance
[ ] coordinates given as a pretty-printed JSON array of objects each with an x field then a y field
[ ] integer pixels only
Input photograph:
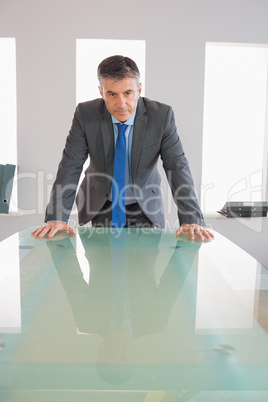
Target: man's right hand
[{"x": 51, "y": 228}]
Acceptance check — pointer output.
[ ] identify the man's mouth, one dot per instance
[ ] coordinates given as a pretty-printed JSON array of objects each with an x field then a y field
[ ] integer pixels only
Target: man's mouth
[{"x": 122, "y": 111}]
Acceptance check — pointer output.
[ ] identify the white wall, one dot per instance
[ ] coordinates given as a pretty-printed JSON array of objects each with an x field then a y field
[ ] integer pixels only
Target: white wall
[{"x": 175, "y": 32}]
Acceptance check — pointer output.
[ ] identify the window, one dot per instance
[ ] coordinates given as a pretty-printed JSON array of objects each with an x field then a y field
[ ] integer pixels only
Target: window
[
  {"x": 8, "y": 102},
  {"x": 235, "y": 129},
  {"x": 90, "y": 52},
  {"x": 8, "y": 108}
]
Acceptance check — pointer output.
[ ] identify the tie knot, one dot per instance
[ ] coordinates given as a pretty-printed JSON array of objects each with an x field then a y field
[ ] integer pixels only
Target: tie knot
[{"x": 121, "y": 128}]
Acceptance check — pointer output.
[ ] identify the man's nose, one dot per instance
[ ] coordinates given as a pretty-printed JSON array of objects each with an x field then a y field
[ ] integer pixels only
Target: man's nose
[{"x": 121, "y": 101}]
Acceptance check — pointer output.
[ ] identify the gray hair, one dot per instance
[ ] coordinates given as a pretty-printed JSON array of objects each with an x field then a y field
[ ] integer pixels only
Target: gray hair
[{"x": 118, "y": 67}]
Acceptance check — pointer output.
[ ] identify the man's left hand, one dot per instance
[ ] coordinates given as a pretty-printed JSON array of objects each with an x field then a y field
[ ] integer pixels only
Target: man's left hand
[{"x": 193, "y": 230}]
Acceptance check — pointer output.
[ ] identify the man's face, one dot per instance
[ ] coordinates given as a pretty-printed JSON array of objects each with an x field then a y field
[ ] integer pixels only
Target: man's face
[{"x": 120, "y": 97}]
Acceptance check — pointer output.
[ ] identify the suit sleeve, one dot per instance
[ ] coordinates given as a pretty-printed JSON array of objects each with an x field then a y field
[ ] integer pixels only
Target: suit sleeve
[
  {"x": 74, "y": 156},
  {"x": 178, "y": 174}
]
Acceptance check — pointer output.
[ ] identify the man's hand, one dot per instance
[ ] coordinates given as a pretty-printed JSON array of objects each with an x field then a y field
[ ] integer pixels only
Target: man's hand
[
  {"x": 193, "y": 229},
  {"x": 52, "y": 228}
]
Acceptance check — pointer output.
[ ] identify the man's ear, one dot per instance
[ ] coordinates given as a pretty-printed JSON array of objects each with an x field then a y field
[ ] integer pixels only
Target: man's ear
[
  {"x": 140, "y": 88},
  {"x": 101, "y": 92}
]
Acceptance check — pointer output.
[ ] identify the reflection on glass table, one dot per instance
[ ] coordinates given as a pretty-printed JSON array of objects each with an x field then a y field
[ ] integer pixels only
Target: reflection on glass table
[{"x": 131, "y": 315}]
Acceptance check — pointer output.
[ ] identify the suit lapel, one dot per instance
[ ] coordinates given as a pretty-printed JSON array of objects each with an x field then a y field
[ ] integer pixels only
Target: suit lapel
[
  {"x": 108, "y": 140},
  {"x": 138, "y": 137}
]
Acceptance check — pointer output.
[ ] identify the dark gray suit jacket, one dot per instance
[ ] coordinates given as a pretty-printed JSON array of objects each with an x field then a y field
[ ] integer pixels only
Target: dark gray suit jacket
[{"x": 154, "y": 135}]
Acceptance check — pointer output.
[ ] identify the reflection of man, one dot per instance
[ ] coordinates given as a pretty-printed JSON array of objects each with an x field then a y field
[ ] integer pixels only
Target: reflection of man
[
  {"x": 122, "y": 301},
  {"x": 149, "y": 133}
]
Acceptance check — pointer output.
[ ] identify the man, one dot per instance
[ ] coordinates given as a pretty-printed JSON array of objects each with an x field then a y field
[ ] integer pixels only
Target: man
[{"x": 122, "y": 123}]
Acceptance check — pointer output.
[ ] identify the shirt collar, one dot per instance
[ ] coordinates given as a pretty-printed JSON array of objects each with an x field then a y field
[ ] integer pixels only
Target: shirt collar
[{"x": 128, "y": 122}]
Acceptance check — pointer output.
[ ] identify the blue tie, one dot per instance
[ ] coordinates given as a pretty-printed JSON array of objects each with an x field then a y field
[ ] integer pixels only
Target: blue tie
[{"x": 118, "y": 187}]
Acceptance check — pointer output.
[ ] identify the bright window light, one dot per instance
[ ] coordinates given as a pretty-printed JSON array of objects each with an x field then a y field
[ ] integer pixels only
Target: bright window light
[
  {"x": 235, "y": 109},
  {"x": 8, "y": 110},
  {"x": 8, "y": 101},
  {"x": 89, "y": 54},
  {"x": 229, "y": 302},
  {"x": 10, "y": 305}
]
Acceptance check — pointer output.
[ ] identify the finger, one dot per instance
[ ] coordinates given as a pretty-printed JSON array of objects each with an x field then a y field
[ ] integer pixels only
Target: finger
[
  {"x": 208, "y": 235},
  {"x": 179, "y": 231},
  {"x": 191, "y": 233},
  {"x": 36, "y": 232},
  {"x": 211, "y": 234},
  {"x": 183, "y": 229},
  {"x": 199, "y": 234},
  {"x": 56, "y": 227},
  {"x": 45, "y": 231},
  {"x": 60, "y": 228},
  {"x": 53, "y": 231},
  {"x": 70, "y": 229},
  {"x": 64, "y": 227}
]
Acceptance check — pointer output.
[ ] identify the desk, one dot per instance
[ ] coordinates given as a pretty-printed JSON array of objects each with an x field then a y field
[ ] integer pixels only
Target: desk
[{"x": 135, "y": 315}]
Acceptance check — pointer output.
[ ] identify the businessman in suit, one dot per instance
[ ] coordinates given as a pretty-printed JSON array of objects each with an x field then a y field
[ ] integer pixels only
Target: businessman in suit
[{"x": 149, "y": 133}]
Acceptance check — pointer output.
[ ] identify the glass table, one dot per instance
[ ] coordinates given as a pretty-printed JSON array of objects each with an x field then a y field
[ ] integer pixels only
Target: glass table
[{"x": 131, "y": 315}]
